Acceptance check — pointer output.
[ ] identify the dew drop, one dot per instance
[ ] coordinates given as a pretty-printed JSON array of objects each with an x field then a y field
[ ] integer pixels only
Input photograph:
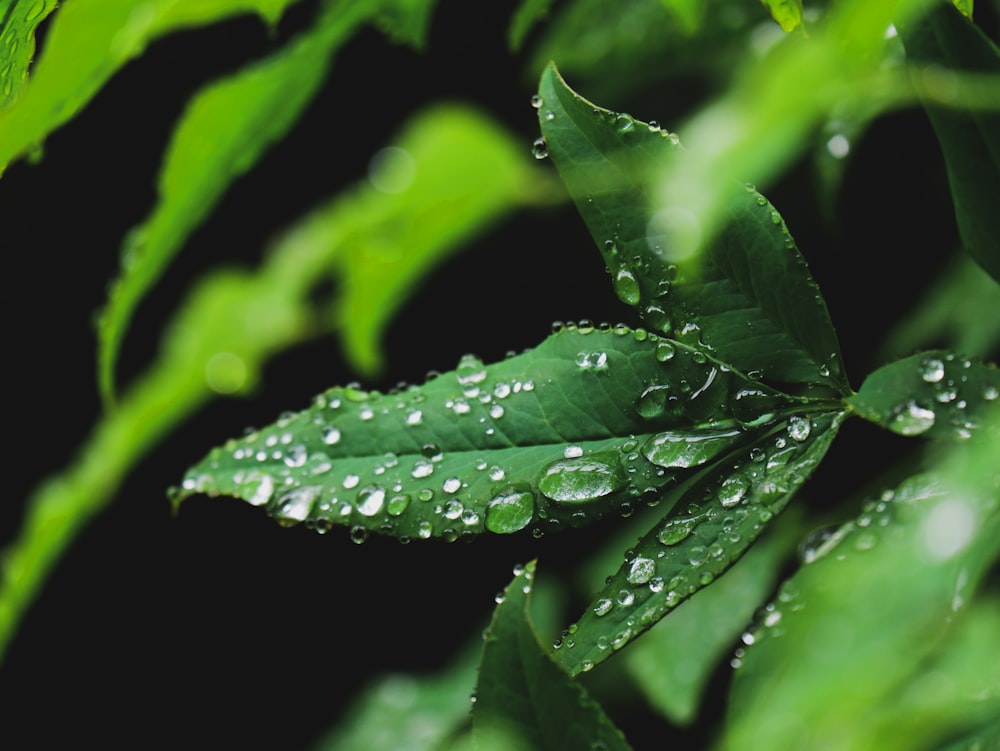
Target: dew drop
[
  {"x": 641, "y": 571},
  {"x": 331, "y": 435},
  {"x": 397, "y": 504},
  {"x": 582, "y": 479},
  {"x": 799, "y": 428},
  {"x": 682, "y": 449},
  {"x": 451, "y": 485},
  {"x": 370, "y": 500},
  {"x": 540, "y": 148},
  {"x": 676, "y": 530},
  {"x": 733, "y": 491},
  {"x": 603, "y": 606},
  {"x": 627, "y": 287},
  {"x": 932, "y": 370},
  {"x": 912, "y": 419},
  {"x": 665, "y": 351},
  {"x": 536, "y": 101},
  {"x": 510, "y": 510}
]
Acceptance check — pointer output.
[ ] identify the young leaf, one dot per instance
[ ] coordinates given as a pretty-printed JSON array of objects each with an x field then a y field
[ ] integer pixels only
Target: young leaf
[
  {"x": 749, "y": 298},
  {"x": 729, "y": 503},
  {"x": 226, "y": 128},
  {"x": 935, "y": 394},
  {"x": 18, "y": 22},
  {"x": 943, "y": 43},
  {"x": 89, "y": 40},
  {"x": 523, "y": 696},
  {"x": 587, "y": 424}
]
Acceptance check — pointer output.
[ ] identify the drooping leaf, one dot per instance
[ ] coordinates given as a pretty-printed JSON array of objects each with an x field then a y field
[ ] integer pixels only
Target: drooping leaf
[
  {"x": 587, "y": 424},
  {"x": 881, "y": 641},
  {"x": 89, "y": 40},
  {"x": 749, "y": 298},
  {"x": 788, "y": 13},
  {"x": 18, "y": 21},
  {"x": 226, "y": 128},
  {"x": 673, "y": 662},
  {"x": 717, "y": 514},
  {"x": 935, "y": 394},
  {"x": 939, "y": 44},
  {"x": 522, "y": 696}
]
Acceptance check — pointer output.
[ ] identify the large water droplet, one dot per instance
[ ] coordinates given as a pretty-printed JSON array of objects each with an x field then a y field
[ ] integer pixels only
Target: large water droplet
[
  {"x": 627, "y": 287},
  {"x": 370, "y": 500},
  {"x": 540, "y": 148},
  {"x": 641, "y": 571},
  {"x": 932, "y": 370},
  {"x": 582, "y": 479},
  {"x": 799, "y": 428},
  {"x": 676, "y": 530},
  {"x": 733, "y": 490},
  {"x": 690, "y": 448},
  {"x": 657, "y": 400},
  {"x": 293, "y": 507},
  {"x": 912, "y": 419},
  {"x": 510, "y": 510}
]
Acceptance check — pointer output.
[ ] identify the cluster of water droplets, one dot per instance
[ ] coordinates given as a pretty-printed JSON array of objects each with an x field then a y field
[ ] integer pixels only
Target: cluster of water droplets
[
  {"x": 698, "y": 541},
  {"x": 948, "y": 388}
]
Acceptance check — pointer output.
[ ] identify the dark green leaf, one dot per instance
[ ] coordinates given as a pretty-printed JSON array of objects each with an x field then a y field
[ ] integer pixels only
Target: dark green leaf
[
  {"x": 524, "y": 697},
  {"x": 940, "y": 44},
  {"x": 589, "y": 423},
  {"x": 527, "y": 15},
  {"x": 749, "y": 298},
  {"x": 720, "y": 511},
  {"x": 934, "y": 394},
  {"x": 407, "y": 21},
  {"x": 674, "y": 662}
]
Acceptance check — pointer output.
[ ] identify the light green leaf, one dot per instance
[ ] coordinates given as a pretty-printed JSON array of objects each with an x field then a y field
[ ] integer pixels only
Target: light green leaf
[
  {"x": 226, "y": 128},
  {"x": 88, "y": 41},
  {"x": 749, "y": 298},
  {"x": 18, "y": 21},
  {"x": 964, "y": 7},
  {"x": 938, "y": 45},
  {"x": 728, "y": 505},
  {"x": 934, "y": 394},
  {"x": 689, "y": 13},
  {"x": 880, "y": 641},
  {"x": 586, "y": 424},
  {"x": 788, "y": 13},
  {"x": 524, "y": 697},
  {"x": 672, "y": 664}
]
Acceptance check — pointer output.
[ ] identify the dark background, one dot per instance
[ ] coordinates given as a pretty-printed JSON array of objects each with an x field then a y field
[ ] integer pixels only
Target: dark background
[{"x": 216, "y": 628}]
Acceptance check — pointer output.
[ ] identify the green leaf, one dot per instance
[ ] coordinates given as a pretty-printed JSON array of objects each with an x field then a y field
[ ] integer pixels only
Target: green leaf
[
  {"x": 880, "y": 640},
  {"x": 587, "y": 424},
  {"x": 788, "y": 13},
  {"x": 749, "y": 298},
  {"x": 406, "y": 21},
  {"x": 934, "y": 394},
  {"x": 522, "y": 696},
  {"x": 222, "y": 134},
  {"x": 940, "y": 44},
  {"x": 88, "y": 41},
  {"x": 673, "y": 663},
  {"x": 689, "y": 13},
  {"x": 415, "y": 712},
  {"x": 18, "y": 21},
  {"x": 526, "y": 16},
  {"x": 729, "y": 503}
]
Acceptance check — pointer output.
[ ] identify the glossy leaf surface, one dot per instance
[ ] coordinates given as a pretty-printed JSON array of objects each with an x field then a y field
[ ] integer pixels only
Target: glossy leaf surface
[
  {"x": 934, "y": 394},
  {"x": 748, "y": 297},
  {"x": 945, "y": 44},
  {"x": 588, "y": 423},
  {"x": 720, "y": 511},
  {"x": 522, "y": 696}
]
